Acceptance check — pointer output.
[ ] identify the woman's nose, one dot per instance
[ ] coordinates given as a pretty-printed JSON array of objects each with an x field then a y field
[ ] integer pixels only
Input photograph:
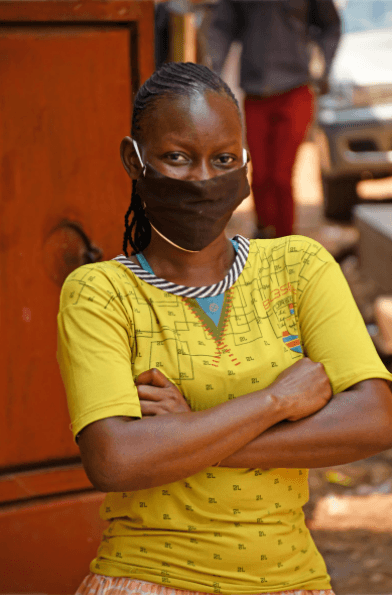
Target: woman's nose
[{"x": 203, "y": 170}]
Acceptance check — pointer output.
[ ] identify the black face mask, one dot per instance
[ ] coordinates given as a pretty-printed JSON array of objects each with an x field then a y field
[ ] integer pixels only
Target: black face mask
[{"x": 191, "y": 214}]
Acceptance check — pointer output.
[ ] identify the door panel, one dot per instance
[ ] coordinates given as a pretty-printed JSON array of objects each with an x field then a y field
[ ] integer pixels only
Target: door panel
[
  {"x": 43, "y": 482},
  {"x": 49, "y": 545},
  {"x": 65, "y": 102}
]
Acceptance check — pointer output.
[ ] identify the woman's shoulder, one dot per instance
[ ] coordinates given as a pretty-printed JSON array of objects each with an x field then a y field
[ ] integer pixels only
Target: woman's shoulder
[
  {"x": 292, "y": 243},
  {"x": 294, "y": 259},
  {"x": 292, "y": 249},
  {"x": 94, "y": 282}
]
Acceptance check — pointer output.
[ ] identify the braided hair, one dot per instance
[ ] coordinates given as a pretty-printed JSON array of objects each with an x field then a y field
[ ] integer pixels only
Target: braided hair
[{"x": 172, "y": 79}]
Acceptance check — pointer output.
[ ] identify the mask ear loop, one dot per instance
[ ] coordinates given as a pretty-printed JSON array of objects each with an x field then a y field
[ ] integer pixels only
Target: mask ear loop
[
  {"x": 141, "y": 162},
  {"x": 135, "y": 146},
  {"x": 244, "y": 156}
]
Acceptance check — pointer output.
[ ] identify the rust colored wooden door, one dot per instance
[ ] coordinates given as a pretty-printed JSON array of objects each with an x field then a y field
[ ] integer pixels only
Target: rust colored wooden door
[
  {"x": 64, "y": 109},
  {"x": 50, "y": 544},
  {"x": 68, "y": 72}
]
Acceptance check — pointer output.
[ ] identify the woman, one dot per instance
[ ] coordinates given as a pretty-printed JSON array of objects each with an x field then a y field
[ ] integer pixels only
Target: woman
[{"x": 190, "y": 397}]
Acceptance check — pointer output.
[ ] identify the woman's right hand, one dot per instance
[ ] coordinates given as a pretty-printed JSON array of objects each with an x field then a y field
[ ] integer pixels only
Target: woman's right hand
[{"x": 302, "y": 389}]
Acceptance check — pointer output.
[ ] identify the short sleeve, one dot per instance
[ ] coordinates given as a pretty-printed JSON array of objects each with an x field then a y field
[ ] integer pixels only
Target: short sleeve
[
  {"x": 333, "y": 331},
  {"x": 94, "y": 348}
]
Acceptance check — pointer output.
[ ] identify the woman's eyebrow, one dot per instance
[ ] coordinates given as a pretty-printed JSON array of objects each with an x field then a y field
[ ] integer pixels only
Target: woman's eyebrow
[{"x": 180, "y": 141}]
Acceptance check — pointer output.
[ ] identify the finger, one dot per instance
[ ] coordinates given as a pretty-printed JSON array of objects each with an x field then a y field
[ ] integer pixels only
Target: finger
[
  {"x": 150, "y": 393},
  {"x": 153, "y": 377},
  {"x": 150, "y": 409}
]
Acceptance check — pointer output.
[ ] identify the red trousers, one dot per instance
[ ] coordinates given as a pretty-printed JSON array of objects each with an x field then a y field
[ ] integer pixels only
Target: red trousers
[{"x": 276, "y": 126}]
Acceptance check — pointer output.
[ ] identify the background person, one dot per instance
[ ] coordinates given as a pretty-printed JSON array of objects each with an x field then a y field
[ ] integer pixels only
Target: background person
[
  {"x": 279, "y": 100},
  {"x": 189, "y": 393}
]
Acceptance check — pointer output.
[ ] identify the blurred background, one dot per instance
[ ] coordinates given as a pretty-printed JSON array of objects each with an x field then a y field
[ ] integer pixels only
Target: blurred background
[{"x": 68, "y": 73}]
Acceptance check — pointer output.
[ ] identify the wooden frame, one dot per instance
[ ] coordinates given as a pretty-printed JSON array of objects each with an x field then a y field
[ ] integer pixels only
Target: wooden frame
[
  {"x": 138, "y": 16},
  {"x": 184, "y": 40}
]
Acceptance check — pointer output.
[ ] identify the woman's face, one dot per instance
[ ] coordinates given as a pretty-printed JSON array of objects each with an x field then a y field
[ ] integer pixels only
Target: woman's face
[{"x": 192, "y": 138}]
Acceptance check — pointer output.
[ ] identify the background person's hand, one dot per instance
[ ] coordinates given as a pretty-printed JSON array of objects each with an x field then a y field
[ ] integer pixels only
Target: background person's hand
[
  {"x": 322, "y": 87},
  {"x": 304, "y": 388},
  {"x": 158, "y": 395}
]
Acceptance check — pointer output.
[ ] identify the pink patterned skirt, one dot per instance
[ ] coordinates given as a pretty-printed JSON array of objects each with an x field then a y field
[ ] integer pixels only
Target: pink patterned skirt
[{"x": 96, "y": 584}]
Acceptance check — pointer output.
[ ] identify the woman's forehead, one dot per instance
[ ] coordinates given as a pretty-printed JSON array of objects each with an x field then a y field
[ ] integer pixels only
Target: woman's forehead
[{"x": 197, "y": 117}]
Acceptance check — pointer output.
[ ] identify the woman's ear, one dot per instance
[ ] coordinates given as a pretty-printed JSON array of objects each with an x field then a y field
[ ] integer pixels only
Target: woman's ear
[{"x": 129, "y": 158}]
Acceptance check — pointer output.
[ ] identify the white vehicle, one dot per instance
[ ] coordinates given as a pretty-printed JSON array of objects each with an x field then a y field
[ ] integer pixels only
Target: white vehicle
[{"x": 355, "y": 118}]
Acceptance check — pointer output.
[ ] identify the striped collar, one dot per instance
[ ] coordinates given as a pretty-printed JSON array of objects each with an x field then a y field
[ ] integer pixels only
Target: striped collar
[{"x": 194, "y": 292}]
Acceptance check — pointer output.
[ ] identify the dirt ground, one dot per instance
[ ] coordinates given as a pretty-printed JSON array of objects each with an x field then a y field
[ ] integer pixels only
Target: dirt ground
[
  {"x": 350, "y": 516},
  {"x": 350, "y": 508}
]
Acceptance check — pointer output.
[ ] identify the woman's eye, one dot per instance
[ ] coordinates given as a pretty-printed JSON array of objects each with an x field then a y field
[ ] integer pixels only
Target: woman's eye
[
  {"x": 176, "y": 157},
  {"x": 225, "y": 160}
]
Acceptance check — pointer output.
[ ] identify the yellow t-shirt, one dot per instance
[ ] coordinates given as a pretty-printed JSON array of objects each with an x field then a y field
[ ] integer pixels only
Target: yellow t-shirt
[{"x": 222, "y": 530}]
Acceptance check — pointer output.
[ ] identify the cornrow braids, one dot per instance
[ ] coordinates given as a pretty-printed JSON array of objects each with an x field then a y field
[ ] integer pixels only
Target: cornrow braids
[
  {"x": 175, "y": 79},
  {"x": 141, "y": 237}
]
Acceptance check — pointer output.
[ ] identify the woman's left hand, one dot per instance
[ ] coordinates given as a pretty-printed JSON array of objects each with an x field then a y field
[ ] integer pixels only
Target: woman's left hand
[{"x": 158, "y": 395}]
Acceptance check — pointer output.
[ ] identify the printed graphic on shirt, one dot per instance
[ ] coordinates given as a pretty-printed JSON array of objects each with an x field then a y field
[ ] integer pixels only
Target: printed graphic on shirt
[
  {"x": 290, "y": 339},
  {"x": 215, "y": 330}
]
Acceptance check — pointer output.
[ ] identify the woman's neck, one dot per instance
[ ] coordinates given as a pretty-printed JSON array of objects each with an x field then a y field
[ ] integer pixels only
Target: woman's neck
[{"x": 193, "y": 269}]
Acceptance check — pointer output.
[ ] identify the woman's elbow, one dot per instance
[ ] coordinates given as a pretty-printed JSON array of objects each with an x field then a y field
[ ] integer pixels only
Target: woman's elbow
[
  {"x": 102, "y": 480},
  {"x": 106, "y": 468},
  {"x": 111, "y": 464},
  {"x": 110, "y": 475},
  {"x": 383, "y": 434},
  {"x": 375, "y": 415},
  {"x": 380, "y": 430}
]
